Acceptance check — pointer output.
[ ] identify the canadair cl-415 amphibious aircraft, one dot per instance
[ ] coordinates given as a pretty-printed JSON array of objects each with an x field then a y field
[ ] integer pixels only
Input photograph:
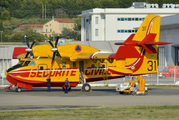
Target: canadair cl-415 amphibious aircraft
[{"x": 83, "y": 64}]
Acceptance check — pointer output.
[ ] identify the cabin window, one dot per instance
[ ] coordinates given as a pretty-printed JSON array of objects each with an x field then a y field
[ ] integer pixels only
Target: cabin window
[
  {"x": 26, "y": 63},
  {"x": 32, "y": 63},
  {"x": 93, "y": 66},
  {"x": 41, "y": 68},
  {"x": 103, "y": 66},
  {"x": 64, "y": 65}
]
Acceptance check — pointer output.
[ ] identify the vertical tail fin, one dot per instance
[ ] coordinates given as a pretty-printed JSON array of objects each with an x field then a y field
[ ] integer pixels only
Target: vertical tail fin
[
  {"x": 150, "y": 25},
  {"x": 140, "y": 49}
]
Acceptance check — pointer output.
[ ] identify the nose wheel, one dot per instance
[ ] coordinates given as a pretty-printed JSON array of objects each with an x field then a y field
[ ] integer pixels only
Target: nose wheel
[
  {"x": 18, "y": 89},
  {"x": 86, "y": 87}
]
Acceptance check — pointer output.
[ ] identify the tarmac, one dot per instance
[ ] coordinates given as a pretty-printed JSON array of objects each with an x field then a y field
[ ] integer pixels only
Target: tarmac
[{"x": 39, "y": 98}]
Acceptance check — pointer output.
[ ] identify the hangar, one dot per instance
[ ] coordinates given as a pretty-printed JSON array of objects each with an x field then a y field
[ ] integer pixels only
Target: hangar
[{"x": 169, "y": 54}]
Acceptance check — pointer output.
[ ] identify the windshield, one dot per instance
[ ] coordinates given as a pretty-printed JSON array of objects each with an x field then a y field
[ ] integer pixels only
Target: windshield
[
  {"x": 18, "y": 65},
  {"x": 26, "y": 63},
  {"x": 20, "y": 62}
]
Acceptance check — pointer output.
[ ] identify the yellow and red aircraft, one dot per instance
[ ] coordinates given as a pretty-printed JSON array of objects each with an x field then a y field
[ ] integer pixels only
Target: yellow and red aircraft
[{"x": 82, "y": 64}]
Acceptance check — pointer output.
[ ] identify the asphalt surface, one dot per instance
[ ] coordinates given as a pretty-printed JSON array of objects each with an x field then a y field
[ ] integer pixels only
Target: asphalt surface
[{"x": 39, "y": 98}]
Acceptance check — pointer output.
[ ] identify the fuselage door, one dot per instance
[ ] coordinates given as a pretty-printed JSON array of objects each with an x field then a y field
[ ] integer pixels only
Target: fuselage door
[{"x": 42, "y": 70}]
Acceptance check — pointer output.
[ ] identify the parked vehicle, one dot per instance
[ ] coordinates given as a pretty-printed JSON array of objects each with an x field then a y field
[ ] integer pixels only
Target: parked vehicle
[{"x": 169, "y": 71}]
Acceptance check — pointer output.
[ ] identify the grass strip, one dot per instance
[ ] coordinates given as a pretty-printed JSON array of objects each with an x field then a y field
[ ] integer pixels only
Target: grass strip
[{"x": 112, "y": 113}]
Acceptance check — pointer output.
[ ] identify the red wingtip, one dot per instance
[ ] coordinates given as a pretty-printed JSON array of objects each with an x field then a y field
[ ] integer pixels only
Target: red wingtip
[{"x": 52, "y": 61}]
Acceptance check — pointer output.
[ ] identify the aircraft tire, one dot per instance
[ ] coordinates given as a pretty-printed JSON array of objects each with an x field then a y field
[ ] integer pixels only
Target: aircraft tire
[
  {"x": 86, "y": 87},
  {"x": 18, "y": 89},
  {"x": 133, "y": 93},
  {"x": 69, "y": 89},
  {"x": 120, "y": 92},
  {"x": 146, "y": 92}
]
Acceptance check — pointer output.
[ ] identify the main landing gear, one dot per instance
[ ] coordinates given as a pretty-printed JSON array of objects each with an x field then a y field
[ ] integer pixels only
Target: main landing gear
[
  {"x": 86, "y": 88},
  {"x": 18, "y": 89}
]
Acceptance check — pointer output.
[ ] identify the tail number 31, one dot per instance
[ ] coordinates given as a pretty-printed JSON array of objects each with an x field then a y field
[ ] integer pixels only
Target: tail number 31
[{"x": 152, "y": 65}]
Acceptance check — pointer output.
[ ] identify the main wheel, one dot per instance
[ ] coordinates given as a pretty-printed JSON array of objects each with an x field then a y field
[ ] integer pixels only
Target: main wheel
[
  {"x": 18, "y": 89},
  {"x": 120, "y": 92},
  {"x": 146, "y": 92},
  {"x": 86, "y": 87},
  {"x": 133, "y": 93},
  {"x": 69, "y": 89}
]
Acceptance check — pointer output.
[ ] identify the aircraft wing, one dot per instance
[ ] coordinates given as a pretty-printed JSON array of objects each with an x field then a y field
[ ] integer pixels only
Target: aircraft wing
[{"x": 96, "y": 55}]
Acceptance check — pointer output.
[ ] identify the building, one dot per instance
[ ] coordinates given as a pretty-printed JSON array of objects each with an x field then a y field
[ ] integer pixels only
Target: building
[
  {"x": 37, "y": 27},
  {"x": 169, "y": 54},
  {"x": 117, "y": 23},
  {"x": 56, "y": 25}
]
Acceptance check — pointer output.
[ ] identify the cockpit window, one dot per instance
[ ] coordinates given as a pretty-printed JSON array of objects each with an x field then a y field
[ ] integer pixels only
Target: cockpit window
[
  {"x": 32, "y": 63},
  {"x": 26, "y": 63},
  {"x": 21, "y": 62}
]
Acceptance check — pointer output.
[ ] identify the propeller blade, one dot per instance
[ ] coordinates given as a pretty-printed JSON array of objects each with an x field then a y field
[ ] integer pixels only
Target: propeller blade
[
  {"x": 51, "y": 43},
  {"x": 27, "y": 42},
  {"x": 27, "y": 55},
  {"x": 53, "y": 57},
  {"x": 56, "y": 42},
  {"x": 32, "y": 44},
  {"x": 31, "y": 54},
  {"x": 58, "y": 54}
]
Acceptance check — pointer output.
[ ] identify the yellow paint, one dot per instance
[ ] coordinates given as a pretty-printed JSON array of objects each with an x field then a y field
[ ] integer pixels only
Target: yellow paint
[{"x": 98, "y": 68}]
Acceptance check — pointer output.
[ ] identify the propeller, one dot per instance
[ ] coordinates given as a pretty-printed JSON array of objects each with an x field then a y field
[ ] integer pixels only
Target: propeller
[
  {"x": 54, "y": 49},
  {"x": 29, "y": 49}
]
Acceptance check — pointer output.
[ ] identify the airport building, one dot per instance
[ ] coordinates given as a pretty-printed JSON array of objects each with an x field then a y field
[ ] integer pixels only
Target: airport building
[{"x": 118, "y": 23}]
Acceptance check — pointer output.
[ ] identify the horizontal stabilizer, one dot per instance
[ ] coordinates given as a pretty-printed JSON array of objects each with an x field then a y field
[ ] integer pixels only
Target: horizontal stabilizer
[
  {"x": 157, "y": 43},
  {"x": 147, "y": 43}
]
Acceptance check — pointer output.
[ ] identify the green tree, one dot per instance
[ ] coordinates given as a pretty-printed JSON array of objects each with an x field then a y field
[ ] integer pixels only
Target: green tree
[
  {"x": 33, "y": 21},
  {"x": 15, "y": 22},
  {"x": 68, "y": 33},
  {"x": 5, "y": 15},
  {"x": 7, "y": 25}
]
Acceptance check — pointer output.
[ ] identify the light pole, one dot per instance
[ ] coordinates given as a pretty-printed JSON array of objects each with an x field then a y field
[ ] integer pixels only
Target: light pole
[{"x": 1, "y": 36}]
